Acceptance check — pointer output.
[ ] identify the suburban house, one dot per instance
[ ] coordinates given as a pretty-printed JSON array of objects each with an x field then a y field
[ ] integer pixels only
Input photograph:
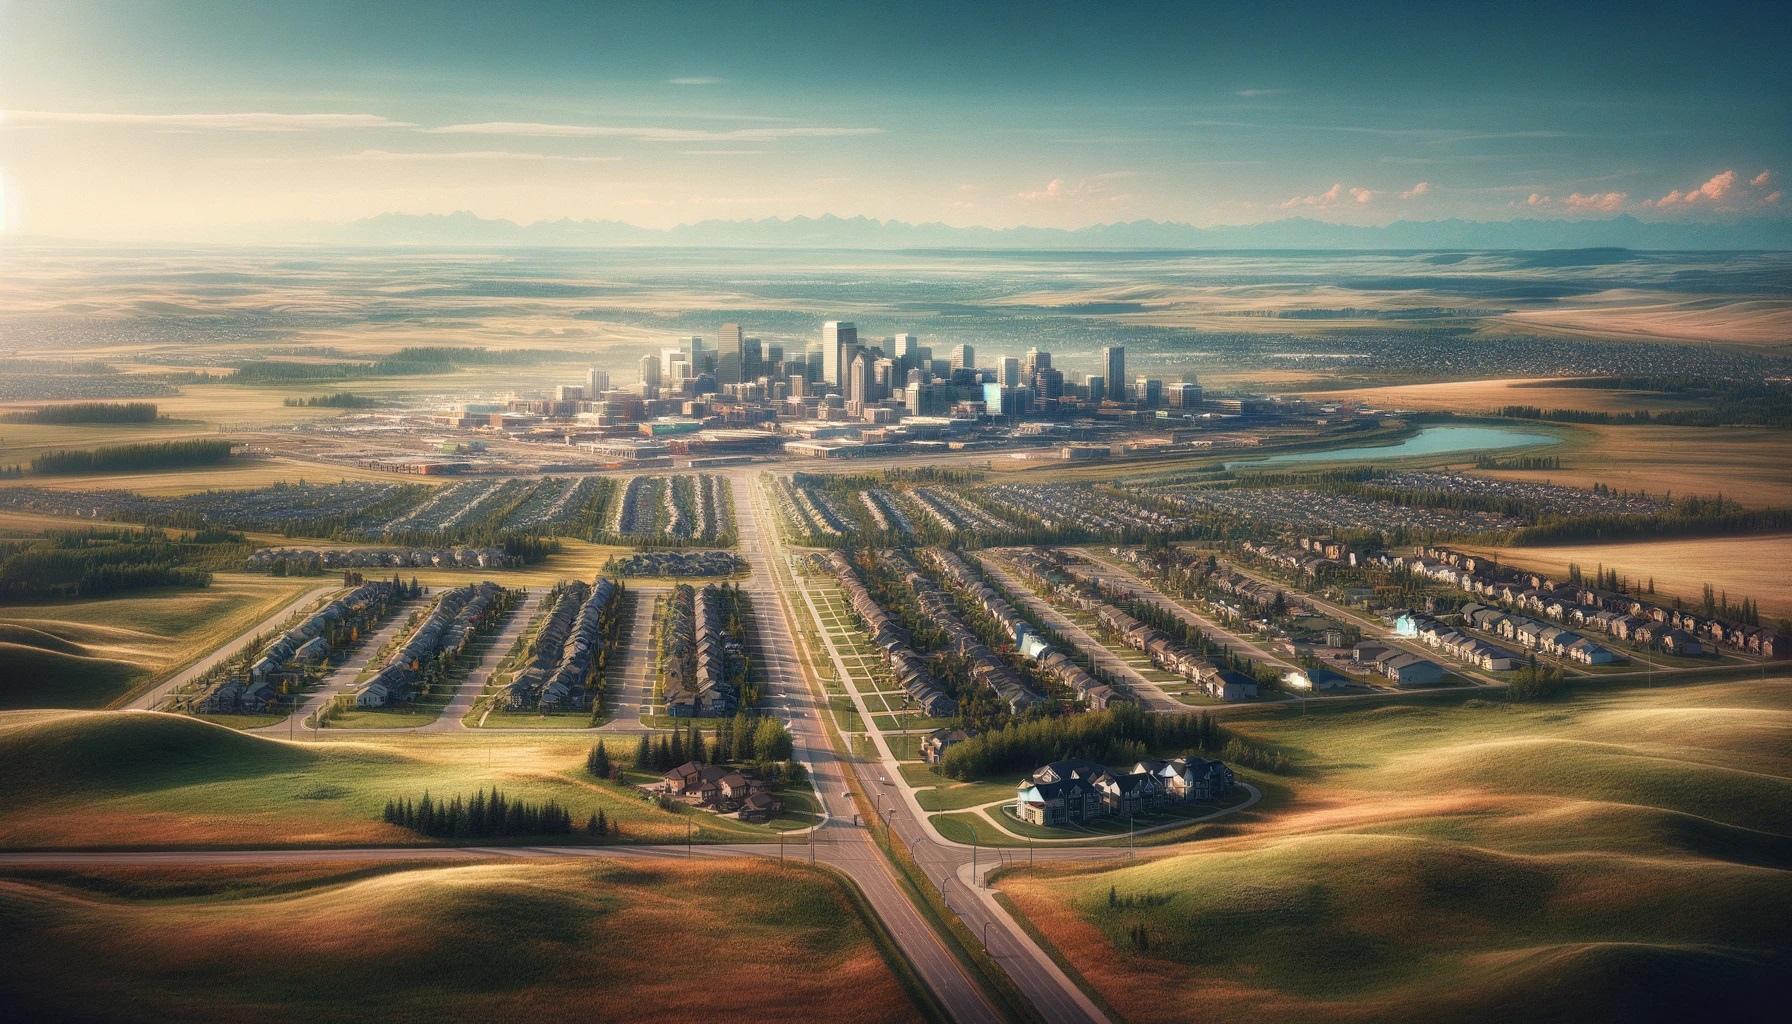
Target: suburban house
[
  {"x": 935, "y": 745},
  {"x": 1073, "y": 789}
]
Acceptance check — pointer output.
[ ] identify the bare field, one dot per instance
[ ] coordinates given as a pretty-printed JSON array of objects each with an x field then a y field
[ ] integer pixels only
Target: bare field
[
  {"x": 479, "y": 942},
  {"x": 1473, "y": 396},
  {"x": 240, "y": 473},
  {"x": 1754, "y": 567},
  {"x": 1656, "y": 316},
  {"x": 1750, "y": 464}
]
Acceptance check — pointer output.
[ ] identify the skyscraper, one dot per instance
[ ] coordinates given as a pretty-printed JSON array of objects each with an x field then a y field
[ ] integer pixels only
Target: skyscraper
[
  {"x": 596, "y": 383},
  {"x": 964, "y": 357},
  {"x": 861, "y": 387},
  {"x": 1008, "y": 375},
  {"x": 906, "y": 350},
  {"x": 1038, "y": 360},
  {"x": 1113, "y": 364},
  {"x": 650, "y": 370},
  {"x": 839, "y": 340},
  {"x": 1098, "y": 388},
  {"x": 729, "y": 365}
]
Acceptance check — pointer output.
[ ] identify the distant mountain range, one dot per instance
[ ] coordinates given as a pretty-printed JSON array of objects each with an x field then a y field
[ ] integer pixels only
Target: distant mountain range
[{"x": 865, "y": 233}]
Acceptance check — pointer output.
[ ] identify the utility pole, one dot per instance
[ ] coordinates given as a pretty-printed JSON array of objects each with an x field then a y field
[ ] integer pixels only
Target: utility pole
[
  {"x": 974, "y": 856},
  {"x": 1131, "y": 850}
]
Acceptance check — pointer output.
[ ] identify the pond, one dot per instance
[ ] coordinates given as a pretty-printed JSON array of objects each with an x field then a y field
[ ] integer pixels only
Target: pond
[{"x": 1429, "y": 441}]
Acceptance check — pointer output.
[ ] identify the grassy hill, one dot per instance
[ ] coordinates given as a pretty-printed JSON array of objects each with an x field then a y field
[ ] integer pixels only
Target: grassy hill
[
  {"x": 33, "y": 675},
  {"x": 138, "y": 778},
  {"x": 1618, "y": 857},
  {"x": 489, "y": 942}
]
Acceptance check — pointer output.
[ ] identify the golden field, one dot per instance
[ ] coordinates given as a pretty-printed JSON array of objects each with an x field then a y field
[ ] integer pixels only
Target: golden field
[
  {"x": 1754, "y": 567},
  {"x": 1486, "y": 396},
  {"x": 589, "y": 940},
  {"x": 1614, "y": 856}
]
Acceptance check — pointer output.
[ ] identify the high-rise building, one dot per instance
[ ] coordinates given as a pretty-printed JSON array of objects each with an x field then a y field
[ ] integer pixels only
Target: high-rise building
[
  {"x": 964, "y": 357},
  {"x": 1098, "y": 388},
  {"x": 906, "y": 350},
  {"x": 596, "y": 383},
  {"x": 728, "y": 354},
  {"x": 1008, "y": 372},
  {"x": 861, "y": 386},
  {"x": 814, "y": 363},
  {"x": 839, "y": 342},
  {"x": 1037, "y": 360},
  {"x": 650, "y": 370},
  {"x": 1148, "y": 393},
  {"x": 1048, "y": 383},
  {"x": 1113, "y": 367},
  {"x": 752, "y": 359}
]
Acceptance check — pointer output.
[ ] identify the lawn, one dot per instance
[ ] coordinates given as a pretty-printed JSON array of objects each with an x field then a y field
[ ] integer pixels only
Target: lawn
[{"x": 475, "y": 942}]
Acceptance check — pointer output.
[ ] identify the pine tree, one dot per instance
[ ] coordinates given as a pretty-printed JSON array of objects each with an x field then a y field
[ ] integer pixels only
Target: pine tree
[
  {"x": 643, "y": 755},
  {"x": 598, "y": 764},
  {"x": 697, "y": 752}
]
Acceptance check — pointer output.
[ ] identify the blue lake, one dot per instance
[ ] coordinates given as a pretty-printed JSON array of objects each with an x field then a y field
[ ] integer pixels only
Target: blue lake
[{"x": 1429, "y": 441}]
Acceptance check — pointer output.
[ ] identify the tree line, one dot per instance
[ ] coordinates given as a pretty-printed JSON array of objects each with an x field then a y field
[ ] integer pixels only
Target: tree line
[
  {"x": 86, "y": 412},
  {"x": 1120, "y": 735},
  {"x": 149, "y": 455},
  {"x": 481, "y": 815}
]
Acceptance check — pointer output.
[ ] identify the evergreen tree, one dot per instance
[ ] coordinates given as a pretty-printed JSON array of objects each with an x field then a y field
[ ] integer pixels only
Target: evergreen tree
[{"x": 643, "y": 755}]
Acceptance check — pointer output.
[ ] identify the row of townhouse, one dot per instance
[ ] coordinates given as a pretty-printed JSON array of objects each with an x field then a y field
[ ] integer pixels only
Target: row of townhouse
[
  {"x": 304, "y": 644},
  {"x": 1041, "y": 567},
  {"x": 445, "y": 630},
  {"x": 987, "y": 666},
  {"x": 1299, "y": 559},
  {"x": 356, "y": 558},
  {"x": 1463, "y": 647},
  {"x": 1169, "y": 654},
  {"x": 1399, "y": 667},
  {"x": 563, "y": 658},
  {"x": 697, "y": 653},
  {"x": 892, "y": 641},
  {"x": 1537, "y": 635},
  {"x": 1074, "y": 790},
  {"x": 1628, "y": 617}
]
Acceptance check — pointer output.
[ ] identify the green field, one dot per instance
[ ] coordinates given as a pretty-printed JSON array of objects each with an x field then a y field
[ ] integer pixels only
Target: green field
[
  {"x": 478, "y": 942},
  {"x": 1621, "y": 856},
  {"x": 118, "y": 779}
]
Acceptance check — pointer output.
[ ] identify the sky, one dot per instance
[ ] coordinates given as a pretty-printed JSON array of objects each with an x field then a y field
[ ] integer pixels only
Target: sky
[{"x": 130, "y": 119}]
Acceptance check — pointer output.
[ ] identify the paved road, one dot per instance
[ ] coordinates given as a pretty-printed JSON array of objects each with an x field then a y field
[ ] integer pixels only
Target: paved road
[
  {"x": 846, "y": 845},
  {"x": 1115, "y": 575},
  {"x": 632, "y": 680},
  {"x": 346, "y": 672},
  {"x": 499, "y": 644},
  {"x": 156, "y": 695},
  {"x": 1150, "y": 693}
]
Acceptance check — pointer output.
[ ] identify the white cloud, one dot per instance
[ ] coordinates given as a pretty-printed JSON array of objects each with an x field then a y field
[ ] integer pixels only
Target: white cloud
[
  {"x": 1329, "y": 197},
  {"x": 249, "y": 122},
  {"x": 1251, "y": 94},
  {"x": 1422, "y": 188},
  {"x": 1715, "y": 190},
  {"x": 647, "y": 134},
  {"x": 1606, "y": 201},
  {"x": 480, "y": 154},
  {"x": 694, "y": 80},
  {"x": 1537, "y": 199},
  {"x": 1088, "y": 191},
  {"x": 1361, "y": 195},
  {"x": 1762, "y": 180},
  {"x": 1770, "y": 198}
]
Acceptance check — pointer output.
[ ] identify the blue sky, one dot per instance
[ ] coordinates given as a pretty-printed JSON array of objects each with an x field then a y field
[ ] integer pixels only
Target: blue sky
[{"x": 131, "y": 118}]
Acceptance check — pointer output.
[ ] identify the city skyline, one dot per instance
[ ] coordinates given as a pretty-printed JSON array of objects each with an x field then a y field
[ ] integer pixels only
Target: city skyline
[{"x": 178, "y": 120}]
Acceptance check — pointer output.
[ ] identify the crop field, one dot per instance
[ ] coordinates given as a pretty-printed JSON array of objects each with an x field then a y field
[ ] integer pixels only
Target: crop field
[
  {"x": 1486, "y": 396},
  {"x": 1754, "y": 567},
  {"x": 475, "y": 942},
  {"x": 88, "y": 653},
  {"x": 1616, "y": 856},
  {"x": 1748, "y": 464},
  {"x": 79, "y": 779}
]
